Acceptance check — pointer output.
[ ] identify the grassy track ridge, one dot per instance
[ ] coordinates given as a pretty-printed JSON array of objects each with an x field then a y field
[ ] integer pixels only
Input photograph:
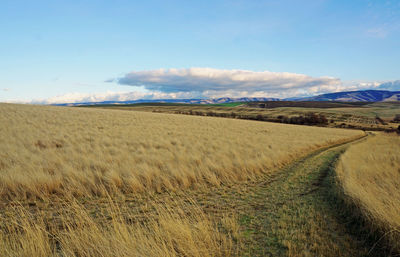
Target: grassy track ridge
[{"x": 293, "y": 215}]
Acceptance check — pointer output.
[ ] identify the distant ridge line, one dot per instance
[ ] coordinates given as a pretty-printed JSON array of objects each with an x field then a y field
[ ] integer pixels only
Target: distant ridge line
[{"x": 346, "y": 96}]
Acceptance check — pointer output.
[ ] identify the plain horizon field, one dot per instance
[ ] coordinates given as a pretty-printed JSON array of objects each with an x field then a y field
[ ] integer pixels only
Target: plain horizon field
[
  {"x": 56, "y": 160},
  {"x": 53, "y": 150},
  {"x": 380, "y": 116},
  {"x": 92, "y": 181}
]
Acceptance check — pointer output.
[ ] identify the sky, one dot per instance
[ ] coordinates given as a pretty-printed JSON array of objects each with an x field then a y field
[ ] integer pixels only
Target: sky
[{"x": 75, "y": 51}]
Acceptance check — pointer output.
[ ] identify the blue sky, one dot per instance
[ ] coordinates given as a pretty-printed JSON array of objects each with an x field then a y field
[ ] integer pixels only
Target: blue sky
[{"x": 66, "y": 50}]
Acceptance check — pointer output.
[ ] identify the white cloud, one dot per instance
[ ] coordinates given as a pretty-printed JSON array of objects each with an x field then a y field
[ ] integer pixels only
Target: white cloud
[
  {"x": 214, "y": 83},
  {"x": 209, "y": 79},
  {"x": 111, "y": 96}
]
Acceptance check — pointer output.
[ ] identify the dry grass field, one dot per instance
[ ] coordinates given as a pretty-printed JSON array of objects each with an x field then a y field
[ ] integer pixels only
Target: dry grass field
[
  {"x": 82, "y": 182},
  {"x": 370, "y": 174},
  {"x": 71, "y": 229},
  {"x": 58, "y": 150}
]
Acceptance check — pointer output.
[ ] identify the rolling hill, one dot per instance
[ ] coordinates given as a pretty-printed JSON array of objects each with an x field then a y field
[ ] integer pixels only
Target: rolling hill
[{"x": 357, "y": 96}]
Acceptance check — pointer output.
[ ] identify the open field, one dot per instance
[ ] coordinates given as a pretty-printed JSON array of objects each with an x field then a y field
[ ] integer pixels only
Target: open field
[
  {"x": 370, "y": 175},
  {"x": 80, "y": 151},
  {"x": 94, "y": 182},
  {"x": 344, "y": 115},
  {"x": 287, "y": 213}
]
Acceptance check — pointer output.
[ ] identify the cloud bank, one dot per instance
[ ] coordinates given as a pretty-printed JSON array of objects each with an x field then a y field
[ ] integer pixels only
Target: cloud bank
[
  {"x": 111, "y": 96},
  {"x": 214, "y": 81}
]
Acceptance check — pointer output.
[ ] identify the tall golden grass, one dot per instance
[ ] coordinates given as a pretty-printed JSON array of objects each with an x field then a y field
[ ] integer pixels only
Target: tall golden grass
[
  {"x": 80, "y": 151},
  {"x": 370, "y": 174},
  {"x": 72, "y": 230},
  {"x": 55, "y": 159}
]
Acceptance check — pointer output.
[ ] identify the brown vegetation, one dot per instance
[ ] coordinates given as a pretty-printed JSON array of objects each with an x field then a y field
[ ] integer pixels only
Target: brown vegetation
[
  {"x": 54, "y": 150},
  {"x": 370, "y": 174},
  {"x": 353, "y": 116},
  {"x": 73, "y": 230},
  {"x": 81, "y": 182},
  {"x": 396, "y": 118}
]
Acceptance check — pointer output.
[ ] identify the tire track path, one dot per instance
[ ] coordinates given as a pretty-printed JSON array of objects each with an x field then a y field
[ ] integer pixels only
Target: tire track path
[{"x": 294, "y": 212}]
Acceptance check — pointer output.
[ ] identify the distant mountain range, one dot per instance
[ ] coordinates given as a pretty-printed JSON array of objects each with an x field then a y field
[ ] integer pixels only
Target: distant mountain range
[
  {"x": 358, "y": 96},
  {"x": 183, "y": 101},
  {"x": 350, "y": 96}
]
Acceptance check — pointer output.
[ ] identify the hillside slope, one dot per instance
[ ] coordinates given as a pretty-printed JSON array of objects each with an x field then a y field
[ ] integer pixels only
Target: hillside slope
[{"x": 357, "y": 96}]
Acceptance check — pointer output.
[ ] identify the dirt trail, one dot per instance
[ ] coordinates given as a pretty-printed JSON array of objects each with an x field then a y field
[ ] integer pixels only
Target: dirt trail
[{"x": 296, "y": 212}]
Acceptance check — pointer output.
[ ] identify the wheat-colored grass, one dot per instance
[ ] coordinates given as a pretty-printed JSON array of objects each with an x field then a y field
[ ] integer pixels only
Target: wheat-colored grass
[
  {"x": 55, "y": 159},
  {"x": 174, "y": 231},
  {"x": 370, "y": 174},
  {"x": 54, "y": 150}
]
